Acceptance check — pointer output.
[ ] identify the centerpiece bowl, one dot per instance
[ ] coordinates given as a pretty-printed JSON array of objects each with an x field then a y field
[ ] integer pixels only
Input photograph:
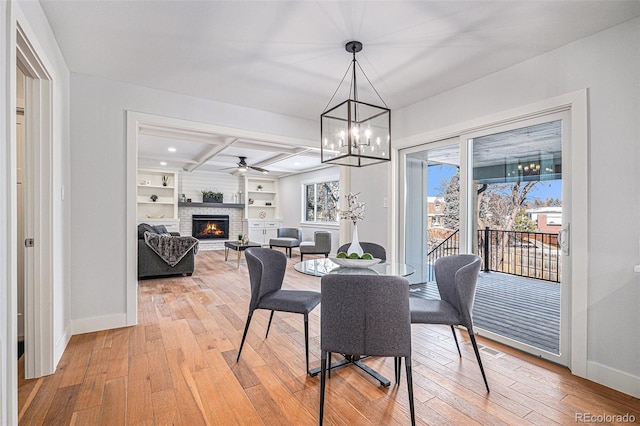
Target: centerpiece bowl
[{"x": 354, "y": 263}]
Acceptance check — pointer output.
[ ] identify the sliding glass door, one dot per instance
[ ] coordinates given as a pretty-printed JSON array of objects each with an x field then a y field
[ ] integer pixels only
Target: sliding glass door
[{"x": 499, "y": 193}]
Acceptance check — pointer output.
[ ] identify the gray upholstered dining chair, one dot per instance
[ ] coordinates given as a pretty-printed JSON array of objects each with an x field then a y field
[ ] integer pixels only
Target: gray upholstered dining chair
[
  {"x": 365, "y": 315},
  {"x": 456, "y": 277},
  {"x": 321, "y": 244},
  {"x": 266, "y": 273},
  {"x": 375, "y": 249},
  {"x": 287, "y": 238}
]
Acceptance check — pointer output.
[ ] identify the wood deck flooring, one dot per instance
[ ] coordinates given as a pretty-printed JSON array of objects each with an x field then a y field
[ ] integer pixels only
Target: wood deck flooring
[
  {"x": 177, "y": 367},
  {"x": 519, "y": 308}
]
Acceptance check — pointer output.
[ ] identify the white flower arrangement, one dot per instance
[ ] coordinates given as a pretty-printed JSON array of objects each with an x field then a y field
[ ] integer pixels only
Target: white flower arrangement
[{"x": 355, "y": 209}]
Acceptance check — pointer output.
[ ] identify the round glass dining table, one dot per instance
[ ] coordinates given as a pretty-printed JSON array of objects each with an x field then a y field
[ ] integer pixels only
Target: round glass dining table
[{"x": 323, "y": 266}]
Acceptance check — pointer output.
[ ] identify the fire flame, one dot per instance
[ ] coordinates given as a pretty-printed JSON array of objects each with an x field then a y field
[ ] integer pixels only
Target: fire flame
[{"x": 211, "y": 229}]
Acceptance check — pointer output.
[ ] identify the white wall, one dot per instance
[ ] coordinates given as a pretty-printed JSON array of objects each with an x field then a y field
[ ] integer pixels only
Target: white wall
[
  {"x": 98, "y": 164},
  {"x": 608, "y": 64},
  {"x": 191, "y": 184},
  {"x": 372, "y": 182},
  {"x": 291, "y": 203}
]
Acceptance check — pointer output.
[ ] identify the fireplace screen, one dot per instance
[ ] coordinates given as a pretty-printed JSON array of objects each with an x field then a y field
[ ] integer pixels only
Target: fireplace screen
[{"x": 205, "y": 227}]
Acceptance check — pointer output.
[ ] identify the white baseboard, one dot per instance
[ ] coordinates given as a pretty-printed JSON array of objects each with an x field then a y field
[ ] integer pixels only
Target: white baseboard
[
  {"x": 615, "y": 379},
  {"x": 61, "y": 345},
  {"x": 89, "y": 325}
]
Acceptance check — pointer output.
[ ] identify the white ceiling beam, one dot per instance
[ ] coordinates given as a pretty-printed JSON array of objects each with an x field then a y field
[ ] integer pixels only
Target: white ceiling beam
[
  {"x": 179, "y": 134},
  {"x": 257, "y": 146},
  {"x": 165, "y": 158},
  {"x": 282, "y": 157},
  {"x": 211, "y": 153}
]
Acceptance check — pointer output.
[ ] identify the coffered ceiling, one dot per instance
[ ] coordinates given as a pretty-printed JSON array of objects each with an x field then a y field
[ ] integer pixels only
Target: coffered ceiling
[{"x": 288, "y": 57}]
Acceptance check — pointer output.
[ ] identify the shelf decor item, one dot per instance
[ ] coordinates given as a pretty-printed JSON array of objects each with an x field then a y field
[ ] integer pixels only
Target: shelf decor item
[
  {"x": 354, "y": 213},
  {"x": 259, "y": 187},
  {"x": 154, "y": 198},
  {"x": 165, "y": 180},
  {"x": 211, "y": 197}
]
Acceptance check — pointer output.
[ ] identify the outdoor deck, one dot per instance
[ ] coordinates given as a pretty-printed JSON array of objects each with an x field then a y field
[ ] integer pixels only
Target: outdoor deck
[{"x": 522, "y": 309}]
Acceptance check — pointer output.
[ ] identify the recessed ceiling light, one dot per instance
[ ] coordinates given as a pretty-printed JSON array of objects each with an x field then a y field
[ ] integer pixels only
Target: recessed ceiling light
[
  {"x": 163, "y": 163},
  {"x": 171, "y": 149},
  {"x": 297, "y": 163}
]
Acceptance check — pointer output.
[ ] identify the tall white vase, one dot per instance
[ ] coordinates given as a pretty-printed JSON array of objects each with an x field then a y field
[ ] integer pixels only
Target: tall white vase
[{"x": 355, "y": 244}]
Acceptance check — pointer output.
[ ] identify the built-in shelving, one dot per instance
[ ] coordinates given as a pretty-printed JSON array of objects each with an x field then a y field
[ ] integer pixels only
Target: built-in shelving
[
  {"x": 163, "y": 211},
  {"x": 261, "y": 198}
]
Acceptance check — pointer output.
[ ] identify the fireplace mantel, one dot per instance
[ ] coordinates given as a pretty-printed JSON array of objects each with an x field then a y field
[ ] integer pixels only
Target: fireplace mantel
[{"x": 216, "y": 205}]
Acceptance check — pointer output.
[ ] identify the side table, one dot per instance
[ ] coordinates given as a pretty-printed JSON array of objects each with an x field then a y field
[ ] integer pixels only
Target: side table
[{"x": 239, "y": 247}]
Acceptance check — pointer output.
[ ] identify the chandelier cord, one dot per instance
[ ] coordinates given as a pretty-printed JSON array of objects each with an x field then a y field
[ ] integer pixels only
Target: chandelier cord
[
  {"x": 371, "y": 84},
  {"x": 338, "y": 88}
]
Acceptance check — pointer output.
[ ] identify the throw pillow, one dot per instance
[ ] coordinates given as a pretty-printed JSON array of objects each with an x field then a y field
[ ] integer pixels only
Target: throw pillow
[
  {"x": 160, "y": 229},
  {"x": 142, "y": 228}
]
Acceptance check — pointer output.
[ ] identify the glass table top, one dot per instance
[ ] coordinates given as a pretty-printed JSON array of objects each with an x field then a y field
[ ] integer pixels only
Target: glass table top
[{"x": 320, "y": 267}]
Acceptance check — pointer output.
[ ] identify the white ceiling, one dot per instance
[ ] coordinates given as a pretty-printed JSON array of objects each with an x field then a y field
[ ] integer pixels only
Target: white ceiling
[{"x": 288, "y": 56}]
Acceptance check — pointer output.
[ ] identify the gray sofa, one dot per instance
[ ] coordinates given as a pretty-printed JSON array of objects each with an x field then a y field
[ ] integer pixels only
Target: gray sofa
[{"x": 150, "y": 265}]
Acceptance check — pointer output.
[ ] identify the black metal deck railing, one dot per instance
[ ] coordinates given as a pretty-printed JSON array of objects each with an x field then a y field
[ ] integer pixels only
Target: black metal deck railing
[{"x": 524, "y": 254}]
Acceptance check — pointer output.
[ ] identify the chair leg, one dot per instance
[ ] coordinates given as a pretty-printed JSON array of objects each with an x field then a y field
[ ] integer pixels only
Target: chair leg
[
  {"x": 326, "y": 255},
  {"x": 244, "y": 335},
  {"x": 453, "y": 330},
  {"x": 395, "y": 367},
  {"x": 410, "y": 390},
  {"x": 398, "y": 367},
  {"x": 323, "y": 372},
  {"x": 306, "y": 340},
  {"x": 329, "y": 364},
  {"x": 475, "y": 348},
  {"x": 301, "y": 257},
  {"x": 269, "y": 326}
]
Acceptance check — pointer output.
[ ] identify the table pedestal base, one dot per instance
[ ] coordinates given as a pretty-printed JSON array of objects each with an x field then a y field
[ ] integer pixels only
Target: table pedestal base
[{"x": 353, "y": 360}]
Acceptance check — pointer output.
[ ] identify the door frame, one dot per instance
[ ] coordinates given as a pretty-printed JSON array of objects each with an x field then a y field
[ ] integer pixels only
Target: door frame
[
  {"x": 39, "y": 309},
  {"x": 576, "y": 103}
]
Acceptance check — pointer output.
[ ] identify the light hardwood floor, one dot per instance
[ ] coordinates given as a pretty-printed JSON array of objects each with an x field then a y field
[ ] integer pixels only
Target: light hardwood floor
[{"x": 177, "y": 367}]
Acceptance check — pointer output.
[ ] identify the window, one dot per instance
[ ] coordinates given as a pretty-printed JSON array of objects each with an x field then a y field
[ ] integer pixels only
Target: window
[{"x": 321, "y": 201}]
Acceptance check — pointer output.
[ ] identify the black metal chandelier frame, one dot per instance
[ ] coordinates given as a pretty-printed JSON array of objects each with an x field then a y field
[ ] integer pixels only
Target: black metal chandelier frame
[{"x": 353, "y": 146}]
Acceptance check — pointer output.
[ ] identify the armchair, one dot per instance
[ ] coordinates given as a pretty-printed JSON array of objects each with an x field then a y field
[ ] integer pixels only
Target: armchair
[
  {"x": 321, "y": 244},
  {"x": 287, "y": 238}
]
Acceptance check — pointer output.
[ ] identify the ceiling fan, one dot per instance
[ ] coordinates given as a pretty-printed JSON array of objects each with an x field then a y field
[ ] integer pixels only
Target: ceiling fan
[{"x": 243, "y": 166}]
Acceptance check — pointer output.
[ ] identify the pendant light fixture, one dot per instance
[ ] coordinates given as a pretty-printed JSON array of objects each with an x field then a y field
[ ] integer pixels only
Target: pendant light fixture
[{"x": 355, "y": 133}]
